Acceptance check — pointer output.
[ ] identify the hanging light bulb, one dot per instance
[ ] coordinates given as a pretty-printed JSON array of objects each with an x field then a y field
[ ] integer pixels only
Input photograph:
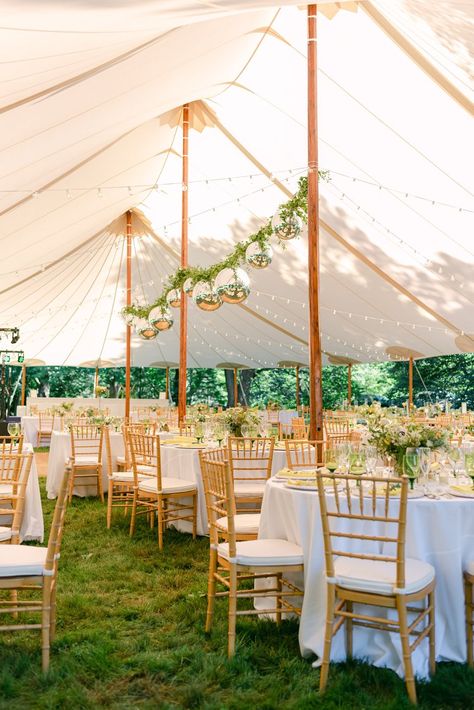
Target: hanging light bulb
[
  {"x": 286, "y": 228},
  {"x": 259, "y": 256},
  {"x": 173, "y": 298},
  {"x": 160, "y": 318},
  {"x": 144, "y": 329},
  {"x": 232, "y": 285},
  {"x": 206, "y": 297},
  {"x": 188, "y": 287}
]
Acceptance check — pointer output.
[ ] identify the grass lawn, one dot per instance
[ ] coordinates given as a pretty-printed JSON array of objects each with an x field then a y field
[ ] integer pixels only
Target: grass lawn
[{"x": 130, "y": 635}]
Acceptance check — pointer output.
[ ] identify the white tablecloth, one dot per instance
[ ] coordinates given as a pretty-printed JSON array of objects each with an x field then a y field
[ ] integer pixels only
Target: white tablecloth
[
  {"x": 440, "y": 532},
  {"x": 60, "y": 451},
  {"x": 183, "y": 463},
  {"x": 32, "y": 527},
  {"x": 30, "y": 426}
]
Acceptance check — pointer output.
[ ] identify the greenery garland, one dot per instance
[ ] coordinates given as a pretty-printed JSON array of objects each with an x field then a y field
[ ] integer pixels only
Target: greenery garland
[{"x": 297, "y": 205}]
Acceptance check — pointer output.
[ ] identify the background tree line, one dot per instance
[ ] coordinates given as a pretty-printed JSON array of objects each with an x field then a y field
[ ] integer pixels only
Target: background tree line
[{"x": 450, "y": 377}]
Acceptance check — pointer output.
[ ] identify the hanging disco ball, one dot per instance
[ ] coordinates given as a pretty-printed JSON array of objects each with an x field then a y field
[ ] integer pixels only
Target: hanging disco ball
[
  {"x": 287, "y": 228},
  {"x": 173, "y": 298},
  {"x": 206, "y": 297},
  {"x": 144, "y": 329},
  {"x": 258, "y": 256},
  {"x": 160, "y": 318},
  {"x": 232, "y": 285},
  {"x": 188, "y": 287}
]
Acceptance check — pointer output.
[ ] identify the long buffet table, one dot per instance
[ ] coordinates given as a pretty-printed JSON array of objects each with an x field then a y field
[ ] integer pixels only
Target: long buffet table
[{"x": 116, "y": 407}]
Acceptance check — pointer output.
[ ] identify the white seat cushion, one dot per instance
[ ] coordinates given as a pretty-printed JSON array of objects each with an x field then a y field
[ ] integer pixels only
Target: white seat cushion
[
  {"x": 127, "y": 476},
  {"x": 5, "y": 489},
  {"x": 146, "y": 469},
  {"x": 169, "y": 485},
  {"x": 470, "y": 567},
  {"x": 22, "y": 560},
  {"x": 83, "y": 460},
  {"x": 121, "y": 460},
  {"x": 380, "y": 577},
  {"x": 248, "y": 490},
  {"x": 245, "y": 523},
  {"x": 264, "y": 553},
  {"x": 5, "y": 534}
]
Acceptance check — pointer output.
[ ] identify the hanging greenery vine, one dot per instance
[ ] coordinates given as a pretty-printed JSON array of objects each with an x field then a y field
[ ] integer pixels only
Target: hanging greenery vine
[{"x": 290, "y": 213}]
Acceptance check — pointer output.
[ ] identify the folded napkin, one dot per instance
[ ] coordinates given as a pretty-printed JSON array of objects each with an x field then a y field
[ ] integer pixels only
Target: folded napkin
[{"x": 464, "y": 489}]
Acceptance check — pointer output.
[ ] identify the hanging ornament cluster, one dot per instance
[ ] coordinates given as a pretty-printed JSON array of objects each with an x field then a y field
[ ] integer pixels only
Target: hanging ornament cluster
[{"x": 226, "y": 281}]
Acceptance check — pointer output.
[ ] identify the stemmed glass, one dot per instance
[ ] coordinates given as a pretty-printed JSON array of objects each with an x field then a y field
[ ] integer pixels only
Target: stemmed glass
[
  {"x": 357, "y": 460},
  {"x": 199, "y": 432},
  {"x": 370, "y": 459},
  {"x": 13, "y": 429},
  {"x": 342, "y": 457},
  {"x": 469, "y": 462},
  {"x": 219, "y": 433},
  {"x": 455, "y": 459},
  {"x": 425, "y": 460},
  {"x": 411, "y": 465},
  {"x": 330, "y": 459}
]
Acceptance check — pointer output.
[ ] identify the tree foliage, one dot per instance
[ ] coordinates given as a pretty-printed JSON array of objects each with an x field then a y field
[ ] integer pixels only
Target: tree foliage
[{"x": 450, "y": 377}]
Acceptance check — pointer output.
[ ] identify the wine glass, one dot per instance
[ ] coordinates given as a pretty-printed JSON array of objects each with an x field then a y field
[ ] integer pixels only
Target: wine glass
[
  {"x": 330, "y": 459},
  {"x": 370, "y": 459},
  {"x": 424, "y": 452},
  {"x": 411, "y": 465},
  {"x": 469, "y": 462},
  {"x": 342, "y": 457},
  {"x": 455, "y": 459},
  {"x": 13, "y": 429},
  {"x": 357, "y": 461},
  {"x": 199, "y": 432}
]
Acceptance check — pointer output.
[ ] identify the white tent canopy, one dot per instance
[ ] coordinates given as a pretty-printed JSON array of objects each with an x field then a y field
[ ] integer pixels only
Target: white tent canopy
[{"x": 90, "y": 99}]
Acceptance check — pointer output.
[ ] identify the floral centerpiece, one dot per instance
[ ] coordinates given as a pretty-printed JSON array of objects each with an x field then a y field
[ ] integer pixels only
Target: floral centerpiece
[
  {"x": 101, "y": 391},
  {"x": 237, "y": 417},
  {"x": 393, "y": 436},
  {"x": 62, "y": 409},
  {"x": 273, "y": 404}
]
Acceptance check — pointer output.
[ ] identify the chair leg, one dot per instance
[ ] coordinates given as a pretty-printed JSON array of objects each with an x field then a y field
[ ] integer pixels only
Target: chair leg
[
  {"x": 405, "y": 641},
  {"x": 110, "y": 497},
  {"x": 469, "y": 601},
  {"x": 278, "y": 598},
  {"x": 161, "y": 522},
  {"x": 100, "y": 487},
  {"x": 232, "y": 610},
  {"x": 14, "y": 600},
  {"x": 45, "y": 626},
  {"x": 211, "y": 589},
  {"x": 331, "y": 600},
  {"x": 432, "y": 636},
  {"x": 71, "y": 485},
  {"x": 194, "y": 516},
  {"x": 349, "y": 629},
  {"x": 134, "y": 513}
]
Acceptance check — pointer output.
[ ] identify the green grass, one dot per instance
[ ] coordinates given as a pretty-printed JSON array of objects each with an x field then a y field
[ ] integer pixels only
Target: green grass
[{"x": 130, "y": 635}]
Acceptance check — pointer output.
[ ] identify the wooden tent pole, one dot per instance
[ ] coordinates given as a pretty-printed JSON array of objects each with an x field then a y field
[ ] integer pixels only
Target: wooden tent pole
[
  {"x": 183, "y": 323},
  {"x": 297, "y": 386},
  {"x": 349, "y": 384},
  {"x": 236, "y": 388},
  {"x": 23, "y": 384},
  {"x": 167, "y": 387},
  {"x": 96, "y": 379},
  {"x": 410, "y": 384},
  {"x": 129, "y": 327},
  {"x": 315, "y": 362}
]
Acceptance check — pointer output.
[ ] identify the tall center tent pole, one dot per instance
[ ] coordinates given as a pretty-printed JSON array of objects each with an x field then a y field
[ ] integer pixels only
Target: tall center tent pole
[
  {"x": 129, "y": 327},
  {"x": 315, "y": 362},
  {"x": 183, "y": 324}
]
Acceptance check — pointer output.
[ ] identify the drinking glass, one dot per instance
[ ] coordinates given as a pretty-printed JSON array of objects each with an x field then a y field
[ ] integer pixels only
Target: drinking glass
[
  {"x": 357, "y": 462},
  {"x": 469, "y": 462},
  {"x": 454, "y": 459},
  {"x": 370, "y": 459},
  {"x": 219, "y": 433},
  {"x": 342, "y": 457},
  {"x": 330, "y": 459},
  {"x": 425, "y": 460},
  {"x": 199, "y": 432},
  {"x": 411, "y": 465},
  {"x": 13, "y": 429}
]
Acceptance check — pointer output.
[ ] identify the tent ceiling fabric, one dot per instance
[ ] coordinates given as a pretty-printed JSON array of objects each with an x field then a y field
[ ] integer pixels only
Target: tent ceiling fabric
[{"x": 90, "y": 102}]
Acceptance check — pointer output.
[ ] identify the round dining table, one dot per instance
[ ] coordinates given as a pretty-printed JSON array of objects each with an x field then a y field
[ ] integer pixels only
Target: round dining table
[{"x": 439, "y": 531}]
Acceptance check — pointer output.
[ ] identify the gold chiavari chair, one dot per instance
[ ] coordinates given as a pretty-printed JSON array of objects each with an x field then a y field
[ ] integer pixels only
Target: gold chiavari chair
[
  {"x": 233, "y": 561},
  {"x": 250, "y": 461},
  {"x": 120, "y": 489},
  {"x": 11, "y": 444},
  {"x": 335, "y": 426},
  {"x": 469, "y": 602},
  {"x": 299, "y": 429},
  {"x": 14, "y": 474},
  {"x": 273, "y": 416},
  {"x": 304, "y": 453},
  {"x": 45, "y": 428},
  {"x": 171, "y": 499},
  {"x": 26, "y": 569},
  {"x": 86, "y": 457},
  {"x": 124, "y": 463},
  {"x": 375, "y": 572},
  {"x": 246, "y": 524},
  {"x": 186, "y": 429}
]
